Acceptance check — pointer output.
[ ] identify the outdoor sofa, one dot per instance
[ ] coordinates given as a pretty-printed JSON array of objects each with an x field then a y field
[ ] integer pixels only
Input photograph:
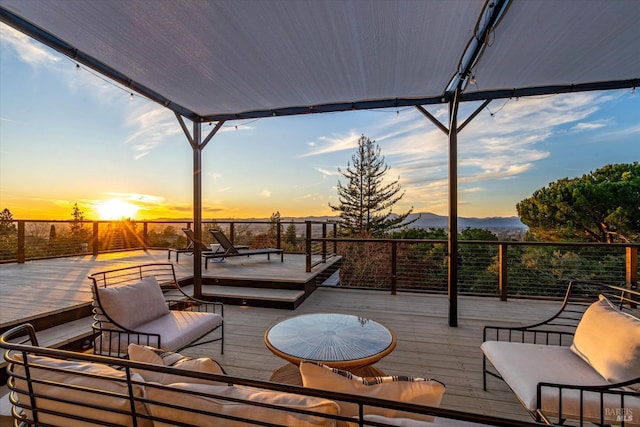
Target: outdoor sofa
[
  {"x": 158, "y": 388},
  {"x": 582, "y": 364}
]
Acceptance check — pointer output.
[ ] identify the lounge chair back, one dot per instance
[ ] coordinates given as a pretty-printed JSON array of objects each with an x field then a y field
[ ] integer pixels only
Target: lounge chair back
[
  {"x": 224, "y": 242},
  {"x": 192, "y": 240}
]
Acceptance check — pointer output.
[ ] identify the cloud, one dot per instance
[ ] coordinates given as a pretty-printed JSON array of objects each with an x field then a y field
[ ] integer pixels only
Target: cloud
[
  {"x": 326, "y": 144},
  {"x": 326, "y": 172},
  {"x": 152, "y": 125},
  {"x": 588, "y": 126},
  {"x": 29, "y": 50},
  {"x": 502, "y": 142},
  {"x": 265, "y": 193}
]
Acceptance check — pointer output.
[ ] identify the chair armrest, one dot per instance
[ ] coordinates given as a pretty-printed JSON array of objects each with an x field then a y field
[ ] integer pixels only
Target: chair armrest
[
  {"x": 600, "y": 404},
  {"x": 194, "y": 304},
  {"x": 556, "y": 330},
  {"x": 528, "y": 334}
]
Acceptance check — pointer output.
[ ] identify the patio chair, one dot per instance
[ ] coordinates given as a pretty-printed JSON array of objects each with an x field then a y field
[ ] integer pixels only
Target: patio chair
[
  {"x": 230, "y": 251},
  {"x": 189, "y": 248},
  {"x": 140, "y": 305}
]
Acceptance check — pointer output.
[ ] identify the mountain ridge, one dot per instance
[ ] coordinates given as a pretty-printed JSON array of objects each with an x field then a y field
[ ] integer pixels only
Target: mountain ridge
[{"x": 424, "y": 220}]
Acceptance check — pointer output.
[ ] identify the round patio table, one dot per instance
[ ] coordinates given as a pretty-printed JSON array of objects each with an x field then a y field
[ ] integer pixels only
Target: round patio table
[{"x": 337, "y": 340}]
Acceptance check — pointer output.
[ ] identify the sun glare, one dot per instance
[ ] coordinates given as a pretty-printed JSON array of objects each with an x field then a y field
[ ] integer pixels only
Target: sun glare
[{"x": 116, "y": 209}]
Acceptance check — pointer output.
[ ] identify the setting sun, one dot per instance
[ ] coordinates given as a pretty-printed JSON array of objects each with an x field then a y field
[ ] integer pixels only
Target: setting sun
[{"x": 116, "y": 209}]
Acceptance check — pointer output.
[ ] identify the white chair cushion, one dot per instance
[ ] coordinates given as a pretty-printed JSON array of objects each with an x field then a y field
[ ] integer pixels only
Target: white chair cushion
[
  {"x": 609, "y": 340},
  {"x": 177, "y": 329},
  {"x": 155, "y": 356},
  {"x": 403, "y": 389},
  {"x": 135, "y": 304},
  {"x": 524, "y": 365},
  {"x": 185, "y": 395},
  {"x": 66, "y": 374}
]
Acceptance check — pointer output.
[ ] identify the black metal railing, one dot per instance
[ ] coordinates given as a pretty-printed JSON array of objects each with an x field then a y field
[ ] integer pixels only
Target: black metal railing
[{"x": 495, "y": 268}]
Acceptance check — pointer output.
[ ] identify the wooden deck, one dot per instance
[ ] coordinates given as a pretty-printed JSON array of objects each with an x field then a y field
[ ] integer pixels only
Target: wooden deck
[
  {"x": 427, "y": 346},
  {"x": 48, "y": 287}
]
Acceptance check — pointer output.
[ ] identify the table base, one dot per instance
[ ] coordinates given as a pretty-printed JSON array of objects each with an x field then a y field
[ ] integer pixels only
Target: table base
[{"x": 290, "y": 374}]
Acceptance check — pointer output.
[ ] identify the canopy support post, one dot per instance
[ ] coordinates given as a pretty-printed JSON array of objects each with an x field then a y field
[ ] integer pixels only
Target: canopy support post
[
  {"x": 197, "y": 145},
  {"x": 452, "y": 247},
  {"x": 452, "y": 251}
]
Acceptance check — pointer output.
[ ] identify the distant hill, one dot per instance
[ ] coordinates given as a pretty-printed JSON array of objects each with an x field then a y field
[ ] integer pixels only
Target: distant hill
[
  {"x": 426, "y": 220},
  {"x": 429, "y": 220}
]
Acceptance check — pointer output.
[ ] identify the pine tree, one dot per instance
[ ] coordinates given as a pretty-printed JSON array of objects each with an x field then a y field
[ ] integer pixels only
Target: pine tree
[
  {"x": 7, "y": 227},
  {"x": 290, "y": 235},
  {"x": 274, "y": 224},
  {"x": 366, "y": 201},
  {"x": 77, "y": 228}
]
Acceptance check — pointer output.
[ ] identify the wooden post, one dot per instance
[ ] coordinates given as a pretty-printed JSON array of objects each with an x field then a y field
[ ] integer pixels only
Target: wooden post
[
  {"x": 278, "y": 236},
  {"x": 232, "y": 232},
  {"x": 21, "y": 243},
  {"x": 95, "y": 242},
  {"x": 324, "y": 242},
  {"x": 394, "y": 266},
  {"x": 632, "y": 267},
  {"x": 145, "y": 235},
  {"x": 503, "y": 262},
  {"x": 307, "y": 249}
]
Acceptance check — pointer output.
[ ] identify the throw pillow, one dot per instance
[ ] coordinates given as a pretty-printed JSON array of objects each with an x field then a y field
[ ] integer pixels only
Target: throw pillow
[
  {"x": 402, "y": 389},
  {"x": 135, "y": 304},
  {"x": 609, "y": 340},
  {"x": 155, "y": 356}
]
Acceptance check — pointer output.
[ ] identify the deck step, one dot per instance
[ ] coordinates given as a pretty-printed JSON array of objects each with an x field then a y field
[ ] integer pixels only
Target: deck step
[
  {"x": 255, "y": 297},
  {"x": 244, "y": 295}
]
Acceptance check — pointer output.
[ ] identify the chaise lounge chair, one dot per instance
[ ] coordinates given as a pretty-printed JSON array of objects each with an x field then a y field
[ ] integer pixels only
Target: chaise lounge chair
[
  {"x": 189, "y": 249},
  {"x": 230, "y": 251}
]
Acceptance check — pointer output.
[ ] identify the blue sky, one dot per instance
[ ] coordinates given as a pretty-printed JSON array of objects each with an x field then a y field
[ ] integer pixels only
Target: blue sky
[{"x": 68, "y": 136}]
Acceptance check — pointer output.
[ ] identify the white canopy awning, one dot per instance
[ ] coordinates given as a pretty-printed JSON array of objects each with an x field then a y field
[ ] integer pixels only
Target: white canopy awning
[{"x": 226, "y": 59}]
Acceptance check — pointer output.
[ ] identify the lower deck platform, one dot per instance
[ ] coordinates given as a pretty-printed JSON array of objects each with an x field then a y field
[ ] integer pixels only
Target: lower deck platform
[{"x": 54, "y": 291}]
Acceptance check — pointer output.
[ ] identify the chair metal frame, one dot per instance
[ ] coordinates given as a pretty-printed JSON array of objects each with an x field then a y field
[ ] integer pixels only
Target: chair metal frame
[
  {"x": 559, "y": 329},
  {"x": 166, "y": 277}
]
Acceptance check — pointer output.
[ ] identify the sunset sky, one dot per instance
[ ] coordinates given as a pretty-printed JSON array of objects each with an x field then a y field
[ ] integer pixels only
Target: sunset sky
[{"x": 69, "y": 136}]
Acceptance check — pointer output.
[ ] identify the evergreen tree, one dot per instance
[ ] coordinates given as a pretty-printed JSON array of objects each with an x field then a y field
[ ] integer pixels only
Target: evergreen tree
[
  {"x": 602, "y": 206},
  {"x": 78, "y": 216},
  {"x": 7, "y": 227},
  {"x": 366, "y": 201},
  {"x": 274, "y": 223},
  {"x": 290, "y": 235}
]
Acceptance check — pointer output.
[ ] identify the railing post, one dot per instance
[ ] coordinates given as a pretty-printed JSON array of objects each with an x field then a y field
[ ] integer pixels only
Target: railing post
[
  {"x": 145, "y": 235},
  {"x": 503, "y": 258},
  {"x": 324, "y": 242},
  {"x": 632, "y": 267},
  {"x": 307, "y": 249},
  {"x": 278, "y": 236},
  {"x": 394, "y": 258},
  {"x": 21, "y": 245},
  {"x": 95, "y": 244},
  {"x": 232, "y": 232},
  {"x": 335, "y": 236}
]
